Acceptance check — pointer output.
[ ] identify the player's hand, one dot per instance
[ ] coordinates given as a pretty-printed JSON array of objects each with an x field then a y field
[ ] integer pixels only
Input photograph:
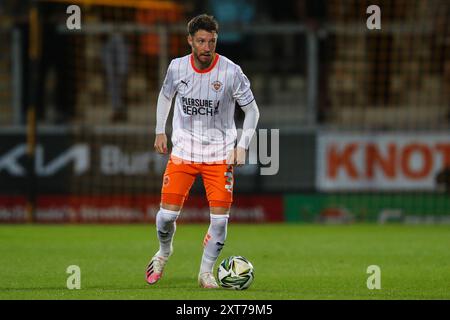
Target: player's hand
[
  {"x": 237, "y": 157},
  {"x": 161, "y": 143}
]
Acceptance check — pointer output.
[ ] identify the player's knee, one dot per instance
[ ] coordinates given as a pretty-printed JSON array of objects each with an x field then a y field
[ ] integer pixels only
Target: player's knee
[
  {"x": 172, "y": 207},
  {"x": 222, "y": 209}
]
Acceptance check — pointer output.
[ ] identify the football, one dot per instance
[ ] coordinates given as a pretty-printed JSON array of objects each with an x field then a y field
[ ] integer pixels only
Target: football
[{"x": 235, "y": 272}]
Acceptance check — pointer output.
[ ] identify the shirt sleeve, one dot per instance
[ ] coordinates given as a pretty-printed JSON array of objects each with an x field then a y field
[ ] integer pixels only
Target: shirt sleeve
[
  {"x": 168, "y": 87},
  {"x": 250, "y": 122},
  {"x": 241, "y": 88},
  {"x": 162, "y": 112}
]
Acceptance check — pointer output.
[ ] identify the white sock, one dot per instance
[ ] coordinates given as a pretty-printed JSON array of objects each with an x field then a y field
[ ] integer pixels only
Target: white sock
[
  {"x": 214, "y": 241},
  {"x": 165, "y": 227}
]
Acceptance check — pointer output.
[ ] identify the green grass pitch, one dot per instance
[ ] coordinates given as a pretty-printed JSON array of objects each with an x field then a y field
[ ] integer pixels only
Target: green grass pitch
[{"x": 291, "y": 261}]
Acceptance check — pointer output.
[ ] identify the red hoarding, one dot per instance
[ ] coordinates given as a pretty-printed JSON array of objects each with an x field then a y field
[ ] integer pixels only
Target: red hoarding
[{"x": 134, "y": 209}]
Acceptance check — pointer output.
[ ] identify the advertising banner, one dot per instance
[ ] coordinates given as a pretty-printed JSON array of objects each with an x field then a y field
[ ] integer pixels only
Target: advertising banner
[
  {"x": 135, "y": 209},
  {"x": 383, "y": 161}
]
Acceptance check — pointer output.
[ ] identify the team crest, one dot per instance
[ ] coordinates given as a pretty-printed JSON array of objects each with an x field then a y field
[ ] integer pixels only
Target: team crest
[
  {"x": 217, "y": 85},
  {"x": 166, "y": 181}
]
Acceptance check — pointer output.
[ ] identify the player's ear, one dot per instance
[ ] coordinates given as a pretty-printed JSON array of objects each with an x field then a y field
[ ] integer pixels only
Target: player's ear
[{"x": 189, "y": 39}]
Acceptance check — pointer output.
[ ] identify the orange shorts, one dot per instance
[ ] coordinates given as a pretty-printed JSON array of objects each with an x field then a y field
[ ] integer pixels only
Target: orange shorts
[{"x": 180, "y": 175}]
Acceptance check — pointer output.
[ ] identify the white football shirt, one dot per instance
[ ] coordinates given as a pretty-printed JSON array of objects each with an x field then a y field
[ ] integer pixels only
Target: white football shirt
[{"x": 203, "y": 121}]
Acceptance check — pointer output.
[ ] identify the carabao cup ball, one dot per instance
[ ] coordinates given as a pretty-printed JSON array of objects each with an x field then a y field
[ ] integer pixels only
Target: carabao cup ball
[{"x": 235, "y": 272}]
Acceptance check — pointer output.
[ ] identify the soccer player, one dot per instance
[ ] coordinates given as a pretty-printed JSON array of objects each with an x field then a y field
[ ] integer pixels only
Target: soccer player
[{"x": 206, "y": 87}]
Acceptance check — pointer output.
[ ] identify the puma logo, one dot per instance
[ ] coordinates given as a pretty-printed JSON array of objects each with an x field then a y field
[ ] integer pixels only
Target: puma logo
[
  {"x": 219, "y": 246},
  {"x": 185, "y": 82},
  {"x": 163, "y": 234}
]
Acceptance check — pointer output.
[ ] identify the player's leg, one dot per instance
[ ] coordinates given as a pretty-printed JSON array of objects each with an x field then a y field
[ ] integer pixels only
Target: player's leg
[
  {"x": 218, "y": 180},
  {"x": 177, "y": 181},
  {"x": 166, "y": 226}
]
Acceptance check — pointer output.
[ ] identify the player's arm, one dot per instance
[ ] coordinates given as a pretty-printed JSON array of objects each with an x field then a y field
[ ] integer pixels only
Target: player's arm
[
  {"x": 162, "y": 113},
  {"x": 251, "y": 118},
  {"x": 244, "y": 97},
  {"x": 163, "y": 109}
]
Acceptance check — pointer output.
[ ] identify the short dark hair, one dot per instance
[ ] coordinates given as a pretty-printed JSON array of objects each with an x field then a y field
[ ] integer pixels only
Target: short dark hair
[{"x": 203, "y": 22}]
